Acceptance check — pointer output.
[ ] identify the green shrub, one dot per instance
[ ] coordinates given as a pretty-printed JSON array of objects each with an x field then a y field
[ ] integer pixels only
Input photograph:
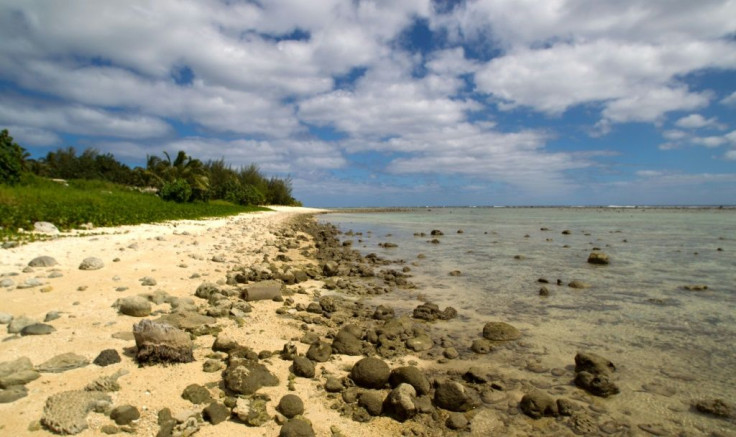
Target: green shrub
[
  {"x": 177, "y": 190},
  {"x": 252, "y": 196}
]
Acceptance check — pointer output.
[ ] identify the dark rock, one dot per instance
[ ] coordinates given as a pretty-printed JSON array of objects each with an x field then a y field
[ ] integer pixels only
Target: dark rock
[
  {"x": 565, "y": 407},
  {"x": 383, "y": 312},
  {"x": 543, "y": 291},
  {"x": 482, "y": 346},
  {"x": 107, "y": 357},
  {"x": 436, "y": 232},
  {"x": 91, "y": 263},
  {"x": 372, "y": 401},
  {"x": 598, "y": 385},
  {"x": 593, "y": 363},
  {"x": 314, "y": 308},
  {"x": 216, "y": 413},
  {"x": 291, "y": 405},
  {"x": 476, "y": 375},
  {"x": 211, "y": 366},
  {"x": 319, "y": 352},
  {"x": 327, "y": 304},
  {"x": 330, "y": 268},
  {"x": 37, "y": 329},
  {"x": 206, "y": 290},
  {"x": 347, "y": 342},
  {"x": 51, "y": 316},
  {"x": 500, "y": 331},
  {"x": 578, "y": 284},
  {"x": 450, "y": 353},
  {"x": 410, "y": 375},
  {"x": 457, "y": 421},
  {"x": 370, "y": 373},
  {"x": 400, "y": 403},
  {"x": 264, "y": 290},
  {"x": 598, "y": 258},
  {"x": 296, "y": 428},
  {"x": 247, "y": 376},
  {"x": 333, "y": 385},
  {"x": 715, "y": 407},
  {"x": 224, "y": 343},
  {"x": 303, "y": 367},
  {"x": 196, "y": 394},
  {"x": 288, "y": 352},
  {"x": 454, "y": 396},
  {"x": 62, "y": 363},
  {"x": 43, "y": 261},
  {"x": 125, "y": 414},
  {"x": 161, "y": 343},
  {"x": 539, "y": 404}
]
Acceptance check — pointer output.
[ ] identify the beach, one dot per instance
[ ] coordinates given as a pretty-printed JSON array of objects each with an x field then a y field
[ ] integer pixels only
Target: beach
[{"x": 328, "y": 296}]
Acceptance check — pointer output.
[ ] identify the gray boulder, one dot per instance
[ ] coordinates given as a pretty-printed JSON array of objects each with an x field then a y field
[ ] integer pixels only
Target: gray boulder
[
  {"x": 62, "y": 363},
  {"x": 454, "y": 396},
  {"x": 593, "y": 363},
  {"x": 43, "y": 261},
  {"x": 45, "y": 228},
  {"x": 347, "y": 341},
  {"x": 319, "y": 352},
  {"x": 91, "y": 263},
  {"x": 410, "y": 375},
  {"x": 135, "y": 306},
  {"x": 37, "y": 329},
  {"x": 247, "y": 376},
  {"x": 303, "y": 367},
  {"x": 400, "y": 403},
  {"x": 18, "y": 323}
]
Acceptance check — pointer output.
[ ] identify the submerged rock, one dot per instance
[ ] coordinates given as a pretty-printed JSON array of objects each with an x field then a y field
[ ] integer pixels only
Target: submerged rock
[
  {"x": 598, "y": 385},
  {"x": 539, "y": 404},
  {"x": 715, "y": 407},
  {"x": 598, "y": 258},
  {"x": 500, "y": 331}
]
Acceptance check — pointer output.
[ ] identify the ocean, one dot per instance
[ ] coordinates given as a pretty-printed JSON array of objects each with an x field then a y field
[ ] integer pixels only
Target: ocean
[{"x": 672, "y": 346}]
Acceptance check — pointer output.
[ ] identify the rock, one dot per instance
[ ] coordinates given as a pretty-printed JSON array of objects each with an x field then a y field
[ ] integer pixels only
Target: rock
[
  {"x": 543, "y": 291},
  {"x": 196, "y": 394},
  {"x": 296, "y": 428},
  {"x": 422, "y": 342},
  {"x": 327, "y": 304},
  {"x": 454, "y": 396},
  {"x": 330, "y": 268},
  {"x": 106, "y": 383},
  {"x": 333, "y": 385},
  {"x": 66, "y": 412},
  {"x": 539, "y": 404},
  {"x": 107, "y": 357},
  {"x": 251, "y": 411},
  {"x": 51, "y": 316},
  {"x": 303, "y": 367},
  {"x": 43, "y": 261},
  {"x": 247, "y": 376},
  {"x": 476, "y": 375},
  {"x": 383, "y": 312},
  {"x": 598, "y": 258},
  {"x": 347, "y": 342},
  {"x": 12, "y": 394},
  {"x": 37, "y": 329},
  {"x": 593, "y": 363},
  {"x": 314, "y": 308},
  {"x": 715, "y": 407},
  {"x": 264, "y": 290},
  {"x": 19, "y": 377},
  {"x": 211, "y": 366},
  {"x": 147, "y": 281},
  {"x": 500, "y": 331},
  {"x": 91, "y": 263},
  {"x": 482, "y": 346},
  {"x": 370, "y": 373},
  {"x": 45, "y": 228},
  {"x": 62, "y": 363},
  {"x": 5, "y": 318},
  {"x": 6, "y": 283},
  {"x": 125, "y": 414},
  {"x": 400, "y": 404},
  {"x": 410, "y": 375},
  {"x": 161, "y": 343},
  {"x": 206, "y": 290},
  {"x": 224, "y": 343},
  {"x": 291, "y": 405},
  {"x": 457, "y": 421},
  {"x": 450, "y": 353},
  {"x": 18, "y": 323},
  {"x": 596, "y": 384},
  {"x": 695, "y": 287},
  {"x": 216, "y": 413},
  {"x": 30, "y": 283},
  {"x": 578, "y": 284},
  {"x": 135, "y": 306},
  {"x": 319, "y": 352},
  {"x": 371, "y": 401}
]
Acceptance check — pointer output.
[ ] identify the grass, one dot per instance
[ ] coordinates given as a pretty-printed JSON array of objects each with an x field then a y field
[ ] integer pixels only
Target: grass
[{"x": 97, "y": 202}]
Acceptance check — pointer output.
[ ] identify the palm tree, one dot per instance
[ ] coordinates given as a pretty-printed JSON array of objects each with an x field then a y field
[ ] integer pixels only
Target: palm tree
[{"x": 183, "y": 167}]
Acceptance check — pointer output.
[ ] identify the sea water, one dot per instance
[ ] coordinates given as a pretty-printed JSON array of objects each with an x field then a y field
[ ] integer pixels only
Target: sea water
[{"x": 671, "y": 346}]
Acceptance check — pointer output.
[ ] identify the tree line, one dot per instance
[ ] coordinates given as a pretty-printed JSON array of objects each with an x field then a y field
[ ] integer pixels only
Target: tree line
[{"x": 182, "y": 178}]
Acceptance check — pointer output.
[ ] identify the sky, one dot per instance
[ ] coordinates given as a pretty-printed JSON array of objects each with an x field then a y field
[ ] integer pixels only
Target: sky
[{"x": 392, "y": 103}]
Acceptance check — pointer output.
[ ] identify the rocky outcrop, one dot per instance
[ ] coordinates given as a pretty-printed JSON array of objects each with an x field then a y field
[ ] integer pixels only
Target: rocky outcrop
[
  {"x": 66, "y": 412},
  {"x": 500, "y": 331}
]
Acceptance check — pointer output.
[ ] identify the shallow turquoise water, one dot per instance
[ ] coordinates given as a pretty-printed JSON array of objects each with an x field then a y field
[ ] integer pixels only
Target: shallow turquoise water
[{"x": 636, "y": 313}]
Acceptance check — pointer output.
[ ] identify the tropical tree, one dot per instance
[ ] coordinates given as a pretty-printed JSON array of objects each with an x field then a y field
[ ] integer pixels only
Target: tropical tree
[
  {"x": 12, "y": 159},
  {"x": 182, "y": 168}
]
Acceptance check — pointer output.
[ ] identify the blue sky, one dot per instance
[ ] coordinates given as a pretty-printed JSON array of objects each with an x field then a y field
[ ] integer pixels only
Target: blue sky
[{"x": 412, "y": 102}]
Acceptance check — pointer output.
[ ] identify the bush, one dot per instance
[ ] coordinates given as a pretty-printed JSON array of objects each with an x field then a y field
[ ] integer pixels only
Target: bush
[
  {"x": 12, "y": 158},
  {"x": 178, "y": 190},
  {"x": 252, "y": 196}
]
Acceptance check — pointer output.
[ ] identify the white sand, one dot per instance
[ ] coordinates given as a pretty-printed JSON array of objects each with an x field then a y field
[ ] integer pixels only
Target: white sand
[{"x": 170, "y": 253}]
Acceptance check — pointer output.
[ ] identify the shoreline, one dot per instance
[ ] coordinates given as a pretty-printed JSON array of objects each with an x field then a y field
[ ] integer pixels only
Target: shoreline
[{"x": 326, "y": 299}]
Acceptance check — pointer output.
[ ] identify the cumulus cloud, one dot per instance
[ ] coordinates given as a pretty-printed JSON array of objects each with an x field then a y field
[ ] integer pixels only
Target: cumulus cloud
[{"x": 697, "y": 121}]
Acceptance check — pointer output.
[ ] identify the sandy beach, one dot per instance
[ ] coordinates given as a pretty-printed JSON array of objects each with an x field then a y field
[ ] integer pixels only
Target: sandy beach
[{"x": 179, "y": 257}]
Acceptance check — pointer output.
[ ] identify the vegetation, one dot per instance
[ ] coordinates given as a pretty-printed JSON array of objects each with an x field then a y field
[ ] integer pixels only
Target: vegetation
[
  {"x": 101, "y": 203},
  {"x": 96, "y": 188}
]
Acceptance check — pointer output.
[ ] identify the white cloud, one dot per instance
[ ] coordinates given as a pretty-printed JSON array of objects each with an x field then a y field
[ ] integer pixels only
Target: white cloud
[
  {"x": 30, "y": 136},
  {"x": 696, "y": 121},
  {"x": 729, "y": 100},
  {"x": 710, "y": 142},
  {"x": 730, "y": 155}
]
